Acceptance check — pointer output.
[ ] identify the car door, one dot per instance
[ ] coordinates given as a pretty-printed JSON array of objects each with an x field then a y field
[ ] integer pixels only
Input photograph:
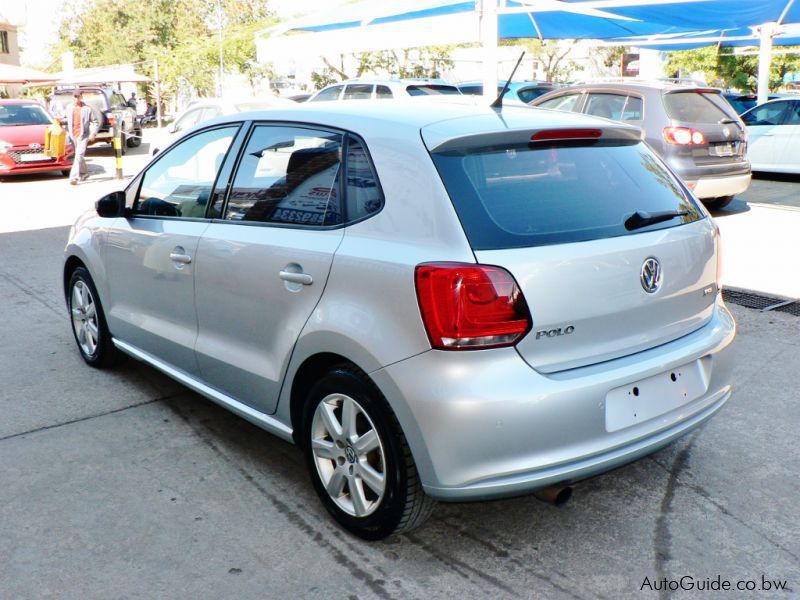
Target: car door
[
  {"x": 152, "y": 252},
  {"x": 787, "y": 139},
  {"x": 264, "y": 265},
  {"x": 764, "y": 125}
]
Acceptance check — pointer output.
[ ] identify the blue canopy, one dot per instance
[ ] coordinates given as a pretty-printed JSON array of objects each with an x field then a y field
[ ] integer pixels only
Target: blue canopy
[{"x": 568, "y": 19}]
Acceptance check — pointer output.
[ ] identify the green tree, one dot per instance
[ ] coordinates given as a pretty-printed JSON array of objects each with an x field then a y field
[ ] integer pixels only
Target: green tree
[
  {"x": 181, "y": 34},
  {"x": 551, "y": 54},
  {"x": 726, "y": 70}
]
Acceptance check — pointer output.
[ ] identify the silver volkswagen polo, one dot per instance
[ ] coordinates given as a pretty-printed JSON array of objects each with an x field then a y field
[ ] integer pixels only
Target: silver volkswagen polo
[{"x": 434, "y": 302}]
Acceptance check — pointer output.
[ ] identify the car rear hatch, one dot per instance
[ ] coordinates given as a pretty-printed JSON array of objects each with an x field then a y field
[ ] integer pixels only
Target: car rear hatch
[
  {"x": 706, "y": 111},
  {"x": 577, "y": 219}
]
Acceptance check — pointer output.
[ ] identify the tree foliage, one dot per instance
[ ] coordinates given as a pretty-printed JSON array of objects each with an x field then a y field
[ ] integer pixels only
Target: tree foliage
[
  {"x": 726, "y": 70},
  {"x": 181, "y": 34},
  {"x": 551, "y": 54},
  {"x": 423, "y": 62}
]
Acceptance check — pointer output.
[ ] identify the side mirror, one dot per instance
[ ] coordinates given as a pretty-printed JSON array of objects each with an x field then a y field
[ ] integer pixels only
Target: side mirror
[
  {"x": 111, "y": 206},
  {"x": 172, "y": 128}
]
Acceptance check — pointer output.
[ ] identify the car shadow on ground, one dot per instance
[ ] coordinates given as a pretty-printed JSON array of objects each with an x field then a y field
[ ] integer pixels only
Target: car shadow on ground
[
  {"x": 736, "y": 207},
  {"x": 786, "y": 177}
]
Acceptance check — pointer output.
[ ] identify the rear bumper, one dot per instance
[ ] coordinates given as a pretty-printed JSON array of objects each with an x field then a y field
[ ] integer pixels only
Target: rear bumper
[
  {"x": 485, "y": 425},
  {"x": 715, "y": 187}
]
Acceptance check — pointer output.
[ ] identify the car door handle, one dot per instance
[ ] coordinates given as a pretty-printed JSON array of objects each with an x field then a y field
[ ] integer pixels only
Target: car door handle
[
  {"x": 179, "y": 255},
  {"x": 303, "y": 278}
]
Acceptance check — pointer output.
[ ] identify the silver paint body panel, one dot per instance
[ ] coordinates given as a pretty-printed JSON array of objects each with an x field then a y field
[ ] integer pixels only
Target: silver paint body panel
[{"x": 480, "y": 424}]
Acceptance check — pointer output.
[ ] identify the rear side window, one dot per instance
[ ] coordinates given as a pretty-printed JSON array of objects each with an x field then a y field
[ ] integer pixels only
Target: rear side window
[
  {"x": 698, "y": 107},
  {"x": 536, "y": 195},
  {"x": 431, "y": 90},
  {"x": 363, "y": 194},
  {"x": 382, "y": 92},
  {"x": 358, "y": 91},
  {"x": 288, "y": 175},
  {"x": 615, "y": 106},
  {"x": 566, "y": 102}
]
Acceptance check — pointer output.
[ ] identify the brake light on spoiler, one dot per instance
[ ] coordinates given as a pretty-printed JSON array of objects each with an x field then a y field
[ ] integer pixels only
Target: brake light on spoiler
[{"x": 553, "y": 135}]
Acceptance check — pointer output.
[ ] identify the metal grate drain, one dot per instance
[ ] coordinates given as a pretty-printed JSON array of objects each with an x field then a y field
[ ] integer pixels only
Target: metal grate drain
[{"x": 762, "y": 303}]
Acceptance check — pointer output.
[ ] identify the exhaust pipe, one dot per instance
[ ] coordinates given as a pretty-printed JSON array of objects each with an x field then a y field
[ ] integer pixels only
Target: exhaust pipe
[{"x": 555, "y": 494}]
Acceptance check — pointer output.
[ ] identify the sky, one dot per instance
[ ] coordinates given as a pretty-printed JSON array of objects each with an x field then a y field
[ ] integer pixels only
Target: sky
[{"x": 38, "y": 21}]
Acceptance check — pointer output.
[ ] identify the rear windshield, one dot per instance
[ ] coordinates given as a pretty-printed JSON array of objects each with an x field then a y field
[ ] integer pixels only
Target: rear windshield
[
  {"x": 536, "y": 195},
  {"x": 698, "y": 107},
  {"x": 431, "y": 90}
]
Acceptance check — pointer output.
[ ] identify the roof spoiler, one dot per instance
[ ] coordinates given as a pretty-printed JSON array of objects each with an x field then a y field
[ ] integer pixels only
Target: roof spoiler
[{"x": 516, "y": 137}]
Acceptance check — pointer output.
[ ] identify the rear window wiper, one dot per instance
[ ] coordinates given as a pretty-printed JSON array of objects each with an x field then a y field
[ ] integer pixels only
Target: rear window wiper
[{"x": 641, "y": 219}]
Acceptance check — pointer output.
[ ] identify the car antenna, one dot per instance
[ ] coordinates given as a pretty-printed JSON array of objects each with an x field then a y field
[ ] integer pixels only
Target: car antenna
[{"x": 498, "y": 103}]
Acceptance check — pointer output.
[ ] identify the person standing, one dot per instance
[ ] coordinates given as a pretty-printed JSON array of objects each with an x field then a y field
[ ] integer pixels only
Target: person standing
[{"x": 82, "y": 126}]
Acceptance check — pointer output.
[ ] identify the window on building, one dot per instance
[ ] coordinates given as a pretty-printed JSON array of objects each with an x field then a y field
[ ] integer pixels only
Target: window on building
[{"x": 4, "y": 49}]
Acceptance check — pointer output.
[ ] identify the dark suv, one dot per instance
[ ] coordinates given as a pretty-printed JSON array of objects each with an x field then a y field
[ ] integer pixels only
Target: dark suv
[
  {"x": 107, "y": 104},
  {"x": 694, "y": 129}
]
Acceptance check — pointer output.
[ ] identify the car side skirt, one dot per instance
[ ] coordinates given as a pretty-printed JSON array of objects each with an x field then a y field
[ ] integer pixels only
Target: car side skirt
[{"x": 259, "y": 419}]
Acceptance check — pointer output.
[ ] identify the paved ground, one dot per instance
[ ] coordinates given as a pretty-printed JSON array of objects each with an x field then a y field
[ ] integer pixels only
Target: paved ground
[
  {"x": 123, "y": 484},
  {"x": 774, "y": 189}
]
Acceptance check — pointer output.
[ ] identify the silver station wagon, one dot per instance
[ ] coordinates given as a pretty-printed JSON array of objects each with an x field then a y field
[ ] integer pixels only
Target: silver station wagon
[{"x": 435, "y": 302}]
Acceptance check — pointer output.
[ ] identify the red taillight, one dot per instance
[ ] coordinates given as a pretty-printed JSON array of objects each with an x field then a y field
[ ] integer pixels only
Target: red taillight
[
  {"x": 684, "y": 136},
  {"x": 549, "y": 135},
  {"x": 112, "y": 120},
  {"x": 470, "y": 307}
]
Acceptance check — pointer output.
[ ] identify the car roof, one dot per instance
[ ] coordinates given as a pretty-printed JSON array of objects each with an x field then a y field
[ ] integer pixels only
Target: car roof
[
  {"x": 668, "y": 86},
  {"x": 406, "y": 119}
]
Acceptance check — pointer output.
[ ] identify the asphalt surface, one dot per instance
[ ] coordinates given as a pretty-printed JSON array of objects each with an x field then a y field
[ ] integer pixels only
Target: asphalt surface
[{"x": 124, "y": 484}]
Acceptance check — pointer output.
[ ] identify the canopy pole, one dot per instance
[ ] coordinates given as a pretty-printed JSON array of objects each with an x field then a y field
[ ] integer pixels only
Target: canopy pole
[
  {"x": 489, "y": 32},
  {"x": 766, "y": 31}
]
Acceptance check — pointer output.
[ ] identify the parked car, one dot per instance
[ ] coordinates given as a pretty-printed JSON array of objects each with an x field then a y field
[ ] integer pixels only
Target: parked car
[
  {"x": 109, "y": 106},
  {"x": 207, "y": 108},
  {"x": 22, "y": 132},
  {"x": 388, "y": 89},
  {"x": 692, "y": 128},
  {"x": 435, "y": 302},
  {"x": 774, "y": 136},
  {"x": 744, "y": 102},
  {"x": 522, "y": 91}
]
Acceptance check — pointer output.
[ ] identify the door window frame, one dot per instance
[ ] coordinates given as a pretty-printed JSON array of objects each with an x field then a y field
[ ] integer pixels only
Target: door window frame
[
  {"x": 133, "y": 191},
  {"x": 341, "y": 188}
]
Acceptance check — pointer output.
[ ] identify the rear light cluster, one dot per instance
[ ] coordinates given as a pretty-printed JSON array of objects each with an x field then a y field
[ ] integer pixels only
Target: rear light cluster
[
  {"x": 684, "y": 136},
  {"x": 470, "y": 307},
  {"x": 112, "y": 120}
]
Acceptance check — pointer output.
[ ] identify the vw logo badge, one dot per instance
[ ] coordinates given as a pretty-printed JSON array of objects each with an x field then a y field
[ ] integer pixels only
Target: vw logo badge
[
  {"x": 650, "y": 276},
  {"x": 35, "y": 146}
]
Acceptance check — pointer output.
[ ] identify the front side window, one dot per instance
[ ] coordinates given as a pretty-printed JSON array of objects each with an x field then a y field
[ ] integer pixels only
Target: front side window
[
  {"x": 179, "y": 183},
  {"x": 288, "y": 175},
  {"x": 566, "y": 102},
  {"x": 771, "y": 113},
  {"x": 331, "y": 93},
  {"x": 432, "y": 89}
]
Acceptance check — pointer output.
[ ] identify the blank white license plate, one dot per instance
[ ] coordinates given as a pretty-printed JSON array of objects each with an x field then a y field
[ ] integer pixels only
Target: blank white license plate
[
  {"x": 33, "y": 157},
  {"x": 656, "y": 395},
  {"x": 722, "y": 150}
]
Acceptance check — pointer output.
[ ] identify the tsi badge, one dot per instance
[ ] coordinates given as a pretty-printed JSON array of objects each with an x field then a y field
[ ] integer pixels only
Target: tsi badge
[{"x": 551, "y": 333}]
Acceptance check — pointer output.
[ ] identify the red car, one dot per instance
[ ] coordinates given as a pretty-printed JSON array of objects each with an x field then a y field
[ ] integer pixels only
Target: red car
[{"x": 22, "y": 127}]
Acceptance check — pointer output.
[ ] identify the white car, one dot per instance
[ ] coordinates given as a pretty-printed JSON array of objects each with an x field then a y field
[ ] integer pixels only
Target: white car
[
  {"x": 774, "y": 136},
  {"x": 384, "y": 89}
]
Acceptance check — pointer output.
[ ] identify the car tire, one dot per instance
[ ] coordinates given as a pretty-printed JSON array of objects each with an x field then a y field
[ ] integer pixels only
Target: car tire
[
  {"x": 717, "y": 203},
  {"x": 65, "y": 172},
  {"x": 88, "y": 321},
  {"x": 136, "y": 139},
  {"x": 371, "y": 455}
]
